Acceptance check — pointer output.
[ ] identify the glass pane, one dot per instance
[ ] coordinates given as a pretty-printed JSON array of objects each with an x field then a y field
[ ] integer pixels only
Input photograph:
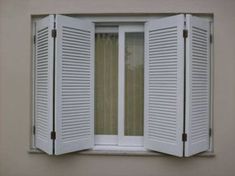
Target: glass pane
[
  {"x": 106, "y": 83},
  {"x": 134, "y": 84}
]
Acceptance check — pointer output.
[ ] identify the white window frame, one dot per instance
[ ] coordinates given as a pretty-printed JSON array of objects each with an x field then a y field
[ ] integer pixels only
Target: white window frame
[
  {"x": 120, "y": 139},
  {"x": 104, "y": 19}
]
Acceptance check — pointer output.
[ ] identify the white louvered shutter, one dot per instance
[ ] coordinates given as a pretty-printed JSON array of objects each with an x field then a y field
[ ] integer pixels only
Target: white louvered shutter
[
  {"x": 74, "y": 122},
  {"x": 197, "y": 85},
  {"x": 164, "y": 85},
  {"x": 44, "y": 84}
]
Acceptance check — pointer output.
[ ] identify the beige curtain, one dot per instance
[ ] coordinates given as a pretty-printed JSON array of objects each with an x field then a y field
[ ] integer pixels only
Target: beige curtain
[
  {"x": 134, "y": 84},
  {"x": 106, "y": 83}
]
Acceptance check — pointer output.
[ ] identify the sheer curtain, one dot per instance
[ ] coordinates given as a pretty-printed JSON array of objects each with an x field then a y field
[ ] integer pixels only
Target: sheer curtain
[{"x": 106, "y": 83}]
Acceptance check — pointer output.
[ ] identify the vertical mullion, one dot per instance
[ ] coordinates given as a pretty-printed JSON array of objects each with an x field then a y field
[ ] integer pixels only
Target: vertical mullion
[{"x": 121, "y": 83}]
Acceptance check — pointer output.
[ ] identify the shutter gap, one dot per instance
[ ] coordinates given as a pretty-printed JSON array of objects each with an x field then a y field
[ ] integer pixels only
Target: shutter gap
[
  {"x": 184, "y": 135},
  {"x": 53, "y": 133}
]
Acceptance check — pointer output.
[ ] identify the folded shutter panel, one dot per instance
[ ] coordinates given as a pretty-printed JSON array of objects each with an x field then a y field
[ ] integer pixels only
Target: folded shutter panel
[
  {"x": 164, "y": 85},
  {"x": 74, "y": 122},
  {"x": 197, "y": 85},
  {"x": 44, "y": 84}
]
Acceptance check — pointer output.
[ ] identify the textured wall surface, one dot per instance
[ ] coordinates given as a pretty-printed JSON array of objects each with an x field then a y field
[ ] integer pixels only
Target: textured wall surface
[{"x": 15, "y": 93}]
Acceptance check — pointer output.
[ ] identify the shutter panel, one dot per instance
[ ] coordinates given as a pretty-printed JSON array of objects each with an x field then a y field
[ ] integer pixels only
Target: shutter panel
[
  {"x": 164, "y": 85},
  {"x": 74, "y": 122},
  {"x": 197, "y": 85},
  {"x": 44, "y": 84}
]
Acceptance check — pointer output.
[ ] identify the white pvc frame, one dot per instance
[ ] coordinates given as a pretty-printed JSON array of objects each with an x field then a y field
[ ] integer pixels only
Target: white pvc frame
[
  {"x": 106, "y": 140},
  {"x": 121, "y": 139}
]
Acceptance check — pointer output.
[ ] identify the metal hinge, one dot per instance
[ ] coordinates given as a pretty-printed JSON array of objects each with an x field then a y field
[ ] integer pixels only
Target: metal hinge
[
  {"x": 53, "y": 135},
  {"x": 211, "y": 38},
  {"x": 53, "y": 33},
  {"x": 34, "y": 39},
  {"x": 34, "y": 129},
  {"x": 184, "y": 137},
  {"x": 210, "y": 132},
  {"x": 185, "y": 33}
]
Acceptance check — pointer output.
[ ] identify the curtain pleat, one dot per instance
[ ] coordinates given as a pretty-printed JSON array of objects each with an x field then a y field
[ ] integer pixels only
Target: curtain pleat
[{"x": 106, "y": 83}]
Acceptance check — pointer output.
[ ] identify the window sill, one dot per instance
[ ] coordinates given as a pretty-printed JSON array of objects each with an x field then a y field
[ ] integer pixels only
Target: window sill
[{"x": 122, "y": 151}]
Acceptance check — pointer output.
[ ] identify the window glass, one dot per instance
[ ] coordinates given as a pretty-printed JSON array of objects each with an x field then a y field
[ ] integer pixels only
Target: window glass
[
  {"x": 134, "y": 83},
  {"x": 106, "y": 83}
]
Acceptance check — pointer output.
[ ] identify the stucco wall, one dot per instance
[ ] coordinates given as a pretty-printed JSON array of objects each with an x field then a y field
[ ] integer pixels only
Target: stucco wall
[{"x": 15, "y": 93}]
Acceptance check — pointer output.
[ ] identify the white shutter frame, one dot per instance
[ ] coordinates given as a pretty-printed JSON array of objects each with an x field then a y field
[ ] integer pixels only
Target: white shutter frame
[
  {"x": 197, "y": 85},
  {"x": 74, "y": 121},
  {"x": 159, "y": 122},
  {"x": 44, "y": 84}
]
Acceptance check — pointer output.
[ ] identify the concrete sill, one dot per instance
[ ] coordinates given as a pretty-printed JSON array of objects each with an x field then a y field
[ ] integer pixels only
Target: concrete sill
[{"x": 121, "y": 151}]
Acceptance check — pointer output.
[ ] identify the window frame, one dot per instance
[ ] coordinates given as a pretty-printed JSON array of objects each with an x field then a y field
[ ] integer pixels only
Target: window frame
[
  {"x": 105, "y": 140},
  {"x": 103, "y": 19},
  {"x": 120, "y": 139}
]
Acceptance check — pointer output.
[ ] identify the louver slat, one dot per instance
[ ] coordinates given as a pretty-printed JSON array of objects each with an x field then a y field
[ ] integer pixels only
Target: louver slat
[
  {"x": 43, "y": 84},
  {"x": 164, "y": 88},
  {"x": 198, "y": 85},
  {"x": 74, "y": 87}
]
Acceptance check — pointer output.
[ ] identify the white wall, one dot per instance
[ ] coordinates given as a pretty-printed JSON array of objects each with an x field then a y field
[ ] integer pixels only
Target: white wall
[{"x": 15, "y": 92}]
